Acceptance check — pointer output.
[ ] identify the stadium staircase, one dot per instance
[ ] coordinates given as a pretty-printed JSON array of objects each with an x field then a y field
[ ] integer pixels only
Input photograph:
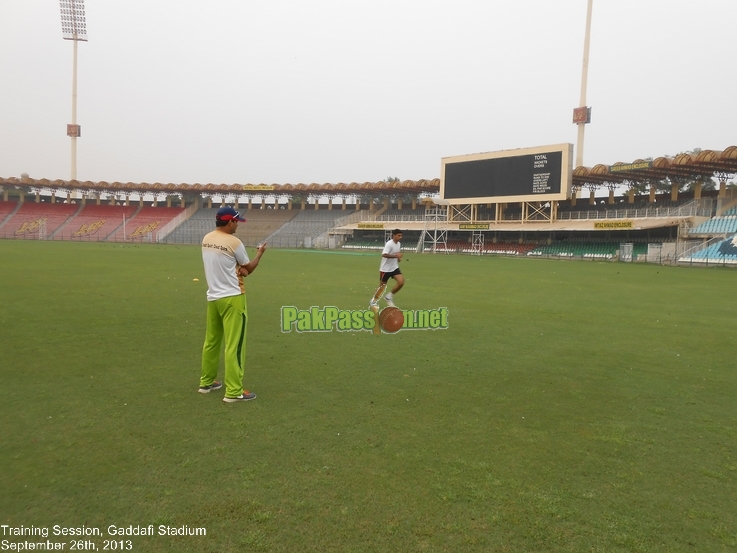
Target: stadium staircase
[
  {"x": 65, "y": 223},
  {"x": 7, "y": 210}
]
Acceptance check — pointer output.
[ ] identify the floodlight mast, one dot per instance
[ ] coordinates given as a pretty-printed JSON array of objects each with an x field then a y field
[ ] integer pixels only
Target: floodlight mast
[
  {"x": 74, "y": 28},
  {"x": 582, "y": 115}
]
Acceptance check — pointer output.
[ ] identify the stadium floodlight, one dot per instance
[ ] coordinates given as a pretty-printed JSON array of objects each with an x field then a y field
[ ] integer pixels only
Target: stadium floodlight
[
  {"x": 74, "y": 28},
  {"x": 582, "y": 114},
  {"x": 73, "y": 24}
]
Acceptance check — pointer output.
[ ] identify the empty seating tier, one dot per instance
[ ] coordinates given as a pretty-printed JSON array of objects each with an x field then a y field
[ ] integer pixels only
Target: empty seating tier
[
  {"x": 305, "y": 225},
  {"x": 717, "y": 225},
  {"x": 34, "y": 220},
  {"x": 95, "y": 222},
  {"x": 259, "y": 224},
  {"x": 144, "y": 224}
]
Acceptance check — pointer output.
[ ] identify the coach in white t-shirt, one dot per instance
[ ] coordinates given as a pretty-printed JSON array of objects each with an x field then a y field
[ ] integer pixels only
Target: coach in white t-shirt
[
  {"x": 226, "y": 263},
  {"x": 389, "y": 268}
]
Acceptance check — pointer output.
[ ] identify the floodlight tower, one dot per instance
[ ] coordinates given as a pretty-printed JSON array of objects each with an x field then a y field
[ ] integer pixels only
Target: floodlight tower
[
  {"x": 582, "y": 114},
  {"x": 74, "y": 28}
]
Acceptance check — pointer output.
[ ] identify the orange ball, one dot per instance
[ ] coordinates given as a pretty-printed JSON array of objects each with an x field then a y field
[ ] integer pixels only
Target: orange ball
[{"x": 391, "y": 319}]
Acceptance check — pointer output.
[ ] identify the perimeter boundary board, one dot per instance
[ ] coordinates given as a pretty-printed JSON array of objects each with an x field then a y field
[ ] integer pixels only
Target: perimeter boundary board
[{"x": 539, "y": 174}]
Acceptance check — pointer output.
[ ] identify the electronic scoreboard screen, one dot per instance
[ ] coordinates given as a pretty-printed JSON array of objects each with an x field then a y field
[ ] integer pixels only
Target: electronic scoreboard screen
[{"x": 526, "y": 175}]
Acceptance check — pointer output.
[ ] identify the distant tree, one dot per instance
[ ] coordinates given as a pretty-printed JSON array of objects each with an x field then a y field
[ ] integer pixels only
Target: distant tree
[{"x": 391, "y": 179}]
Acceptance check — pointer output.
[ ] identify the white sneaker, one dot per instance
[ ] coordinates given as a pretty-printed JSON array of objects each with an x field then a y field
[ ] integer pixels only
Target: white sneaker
[{"x": 389, "y": 300}]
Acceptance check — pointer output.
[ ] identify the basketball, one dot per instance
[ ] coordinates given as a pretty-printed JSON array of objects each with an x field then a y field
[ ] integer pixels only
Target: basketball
[{"x": 391, "y": 319}]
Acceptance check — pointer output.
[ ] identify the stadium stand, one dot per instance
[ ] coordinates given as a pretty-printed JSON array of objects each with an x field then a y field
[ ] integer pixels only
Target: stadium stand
[
  {"x": 143, "y": 224},
  {"x": 364, "y": 244},
  {"x": 499, "y": 248},
  {"x": 586, "y": 249},
  {"x": 33, "y": 219},
  {"x": 259, "y": 224},
  {"x": 716, "y": 252},
  {"x": 717, "y": 225},
  {"x": 639, "y": 249},
  {"x": 307, "y": 224},
  {"x": 506, "y": 248},
  {"x": 94, "y": 222},
  {"x": 573, "y": 248},
  {"x": 6, "y": 208},
  {"x": 404, "y": 214},
  {"x": 583, "y": 249}
]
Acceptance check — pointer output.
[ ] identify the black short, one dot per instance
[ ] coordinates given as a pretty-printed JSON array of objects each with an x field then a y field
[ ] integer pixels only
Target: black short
[{"x": 384, "y": 277}]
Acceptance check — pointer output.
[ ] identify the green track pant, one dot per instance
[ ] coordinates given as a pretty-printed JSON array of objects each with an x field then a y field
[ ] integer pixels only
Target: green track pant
[{"x": 226, "y": 318}]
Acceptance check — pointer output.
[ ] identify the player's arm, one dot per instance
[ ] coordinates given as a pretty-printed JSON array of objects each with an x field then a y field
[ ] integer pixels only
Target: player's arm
[
  {"x": 392, "y": 255},
  {"x": 253, "y": 263}
]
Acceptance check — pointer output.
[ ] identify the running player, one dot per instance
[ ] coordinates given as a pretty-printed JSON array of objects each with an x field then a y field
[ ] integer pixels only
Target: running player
[{"x": 389, "y": 268}]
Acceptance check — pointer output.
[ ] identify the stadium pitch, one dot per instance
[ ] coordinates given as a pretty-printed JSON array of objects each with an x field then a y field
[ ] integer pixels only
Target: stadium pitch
[{"x": 569, "y": 406}]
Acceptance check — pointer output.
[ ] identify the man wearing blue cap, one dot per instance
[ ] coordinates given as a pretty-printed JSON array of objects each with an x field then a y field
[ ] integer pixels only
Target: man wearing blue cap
[{"x": 226, "y": 263}]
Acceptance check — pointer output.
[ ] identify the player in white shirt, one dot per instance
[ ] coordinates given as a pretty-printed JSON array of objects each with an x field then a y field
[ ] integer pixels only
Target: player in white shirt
[
  {"x": 226, "y": 263},
  {"x": 389, "y": 268}
]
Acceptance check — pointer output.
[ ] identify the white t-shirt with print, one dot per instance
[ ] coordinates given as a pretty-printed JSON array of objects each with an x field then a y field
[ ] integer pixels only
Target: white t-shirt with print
[
  {"x": 222, "y": 254},
  {"x": 389, "y": 264}
]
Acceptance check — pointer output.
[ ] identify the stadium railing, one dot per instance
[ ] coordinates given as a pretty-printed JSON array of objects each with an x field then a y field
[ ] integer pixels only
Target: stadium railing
[{"x": 693, "y": 208}]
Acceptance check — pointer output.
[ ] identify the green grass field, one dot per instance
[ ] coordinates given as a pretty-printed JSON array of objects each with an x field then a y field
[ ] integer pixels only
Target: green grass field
[{"x": 570, "y": 406}]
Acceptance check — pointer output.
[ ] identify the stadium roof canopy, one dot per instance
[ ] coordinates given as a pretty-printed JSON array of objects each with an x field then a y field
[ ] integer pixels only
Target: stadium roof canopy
[
  {"x": 683, "y": 167},
  {"x": 382, "y": 187}
]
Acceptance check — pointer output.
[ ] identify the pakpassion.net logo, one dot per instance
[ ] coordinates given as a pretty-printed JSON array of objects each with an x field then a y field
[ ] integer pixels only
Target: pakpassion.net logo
[{"x": 328, "y": 319}]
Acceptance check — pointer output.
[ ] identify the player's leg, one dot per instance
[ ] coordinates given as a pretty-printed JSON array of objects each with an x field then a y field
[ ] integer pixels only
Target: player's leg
[
  {"x": 235, "y": 323},
  {"x": 399, "y": 279},
  {"x": 211, "y": 348}
]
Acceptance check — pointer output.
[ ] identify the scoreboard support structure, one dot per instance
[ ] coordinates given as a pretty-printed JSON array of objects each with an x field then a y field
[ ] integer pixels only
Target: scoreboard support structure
[
  {"x": 533, "y": 211},
  {"x": 462, "y": 213},
  {"x": 530, "y": 212},
  {"x": 432, "y": 235}
]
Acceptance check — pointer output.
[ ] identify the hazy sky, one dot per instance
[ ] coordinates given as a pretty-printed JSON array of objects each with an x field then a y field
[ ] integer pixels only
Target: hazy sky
[{"x": 277, "y": 91}]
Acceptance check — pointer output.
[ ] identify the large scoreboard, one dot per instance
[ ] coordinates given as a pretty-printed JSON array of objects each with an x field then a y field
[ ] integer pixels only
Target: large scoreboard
[{"x": 535, "y": 174}]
